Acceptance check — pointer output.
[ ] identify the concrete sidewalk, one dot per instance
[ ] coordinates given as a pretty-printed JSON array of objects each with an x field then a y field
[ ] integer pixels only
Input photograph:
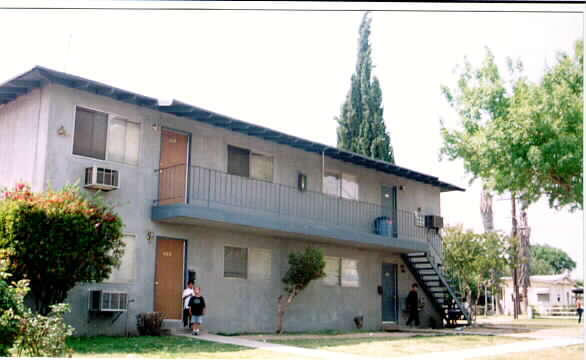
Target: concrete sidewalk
[{"x": 495, "y": 350}]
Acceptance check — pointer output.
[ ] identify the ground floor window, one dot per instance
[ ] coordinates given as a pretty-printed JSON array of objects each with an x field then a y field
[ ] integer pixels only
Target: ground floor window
[
  {"x": 125, "y": 272},
  {"x": 235, "y": 262}
]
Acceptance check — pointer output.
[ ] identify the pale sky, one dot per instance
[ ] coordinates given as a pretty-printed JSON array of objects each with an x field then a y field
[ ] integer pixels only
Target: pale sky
[{"x": 290, "y": 71}]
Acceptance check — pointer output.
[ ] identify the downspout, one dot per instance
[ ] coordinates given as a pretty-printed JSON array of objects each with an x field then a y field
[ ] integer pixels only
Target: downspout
[{"x": 323, "y": 168}]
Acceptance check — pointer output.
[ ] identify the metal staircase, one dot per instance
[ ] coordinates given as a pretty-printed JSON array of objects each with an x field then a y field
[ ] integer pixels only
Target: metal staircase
[{"x": 433, "y": 282}]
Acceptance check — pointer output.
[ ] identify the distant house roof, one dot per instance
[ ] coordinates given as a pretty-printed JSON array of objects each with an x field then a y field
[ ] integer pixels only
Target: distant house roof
[
  {"x": 40, "y": 76},
  {"x": 564, "y": 277}
]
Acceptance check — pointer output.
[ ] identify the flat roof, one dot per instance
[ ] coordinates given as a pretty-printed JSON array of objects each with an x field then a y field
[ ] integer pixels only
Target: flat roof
[{"x": 40, "y": 76}]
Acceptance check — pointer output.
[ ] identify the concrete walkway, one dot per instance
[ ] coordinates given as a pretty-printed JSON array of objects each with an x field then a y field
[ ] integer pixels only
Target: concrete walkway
[{"x": 525, "y": 346}]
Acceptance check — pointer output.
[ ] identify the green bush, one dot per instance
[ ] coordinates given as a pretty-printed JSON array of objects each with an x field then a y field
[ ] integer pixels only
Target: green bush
[
  {"x": 11, "y": 298},
  {"x": 57, "y": 239},
  {"x": 23, "y": 333},
  {"x": 40, "y": 335}
]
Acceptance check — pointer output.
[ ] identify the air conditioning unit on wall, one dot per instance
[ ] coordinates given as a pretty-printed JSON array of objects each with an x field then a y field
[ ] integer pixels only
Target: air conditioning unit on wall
[
  {"x": 108, "y": 301},
  {"x": 99, "y": 178},
  {"x": 434, "y": 222}
]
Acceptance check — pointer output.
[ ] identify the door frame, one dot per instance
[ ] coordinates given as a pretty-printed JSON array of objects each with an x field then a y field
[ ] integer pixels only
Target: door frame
[
  {"x": 397, "y": 297},
  {"x": 187, "y": 166},
  {"x": 183, "y": 273}
]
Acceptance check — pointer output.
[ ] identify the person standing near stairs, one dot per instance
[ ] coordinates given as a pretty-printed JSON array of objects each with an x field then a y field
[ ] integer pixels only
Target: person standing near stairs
[{"x": 412, "y": 305}]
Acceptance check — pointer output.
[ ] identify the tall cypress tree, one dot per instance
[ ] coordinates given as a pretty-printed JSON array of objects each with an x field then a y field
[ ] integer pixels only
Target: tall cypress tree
[{"x": 361, "y": 126}]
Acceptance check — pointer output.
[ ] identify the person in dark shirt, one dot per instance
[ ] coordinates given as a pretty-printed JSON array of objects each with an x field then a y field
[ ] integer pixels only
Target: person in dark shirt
[
  {"x": 197, "y": 308},
  {"x": 412, "y": 306}
]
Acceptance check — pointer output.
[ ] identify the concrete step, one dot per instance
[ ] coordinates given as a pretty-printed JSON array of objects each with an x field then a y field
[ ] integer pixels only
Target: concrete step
[
  {"x": 172, "y": 324},
  {"x": 390, "y": 326}
]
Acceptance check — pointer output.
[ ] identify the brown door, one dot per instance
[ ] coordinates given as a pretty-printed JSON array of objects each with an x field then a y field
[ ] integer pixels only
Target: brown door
[
  {"x": 173, "y": 167},
  {"x": 169, "y": 277}
]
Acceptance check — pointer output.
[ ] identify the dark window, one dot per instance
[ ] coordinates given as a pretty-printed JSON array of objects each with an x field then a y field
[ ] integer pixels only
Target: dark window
[
  {"x": 238, "y": 161},
  {"x": 91, "y": 128},
  {"x": 235, "y": 262}
]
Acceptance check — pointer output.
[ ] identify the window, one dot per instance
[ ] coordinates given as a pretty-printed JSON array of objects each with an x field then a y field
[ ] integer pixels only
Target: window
[
  {"x": 344, "y": 185},
  {"x": 543, "y": 298},
  {"x": 332, "y": 270},
  {"x": 125, "y": 273},
  {"x": 235, "y": 262},
  {"x": 332, "y": 184},
  {"x": 243, "y": 162},
  {"x": 350, "y": 276},
  {"x": 106, "y": 137},
  {"x": 349, "y": 187},
  {"x": 260, "y": 264}
]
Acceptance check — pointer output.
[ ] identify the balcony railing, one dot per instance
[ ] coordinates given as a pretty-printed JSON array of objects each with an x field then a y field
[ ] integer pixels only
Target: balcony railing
[{"x": 213, "y": 188}]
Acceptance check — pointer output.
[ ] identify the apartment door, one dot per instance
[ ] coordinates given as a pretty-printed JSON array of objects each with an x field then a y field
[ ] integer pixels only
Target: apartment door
[
  {"x": 169, "y": 277},
  {"x": 173, "y": 167},
  {"x": 389, "y": 204},
  {"x": 390, "y": 298}
]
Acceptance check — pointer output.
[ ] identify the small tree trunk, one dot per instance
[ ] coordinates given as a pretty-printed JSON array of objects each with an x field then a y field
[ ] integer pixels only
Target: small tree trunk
[{"x": 283, "y": 303}]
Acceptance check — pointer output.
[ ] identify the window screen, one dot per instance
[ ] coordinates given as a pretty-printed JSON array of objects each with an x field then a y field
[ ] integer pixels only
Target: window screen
[
  {"x": 238, "y": 161},
  {"x": 261, "y": 167},
  {"x": 332, "y": 270},
  {"x": 260, "y": 264},
  {"x": 332, "y": 184},
  {"x": 123, "y": 141},
  {"x": 543, "y": 298},
  {"x": 125, "y": 273},
  {"x": 350, "y": 276},
  {"x": 90, "y": 133},
  {"x": 349, "y": 187},
  {"x": 235, "y": 262}
]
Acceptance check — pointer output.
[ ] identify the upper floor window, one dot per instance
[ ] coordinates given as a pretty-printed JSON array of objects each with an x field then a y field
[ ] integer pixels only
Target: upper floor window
[
  {"x": 105, "y": 136},
  {"x": 244, "y": 162},
  {"x": 341, "y": 185}
]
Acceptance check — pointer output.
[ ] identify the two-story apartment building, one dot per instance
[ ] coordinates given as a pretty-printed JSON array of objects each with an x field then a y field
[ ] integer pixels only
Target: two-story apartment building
[{"x": 222, "y": 201}]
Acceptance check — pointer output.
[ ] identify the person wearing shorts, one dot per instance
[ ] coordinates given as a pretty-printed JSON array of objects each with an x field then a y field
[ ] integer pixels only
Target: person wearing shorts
[{"x": 197, "y": 307}]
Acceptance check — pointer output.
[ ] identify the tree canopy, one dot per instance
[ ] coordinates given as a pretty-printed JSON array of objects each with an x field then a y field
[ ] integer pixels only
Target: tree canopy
[
  {"x": 548, "y": 260},
  {"x": 361, "y": 126},
  {"x": 523, "y": 137},
  {"x": 475, "y": 260}
]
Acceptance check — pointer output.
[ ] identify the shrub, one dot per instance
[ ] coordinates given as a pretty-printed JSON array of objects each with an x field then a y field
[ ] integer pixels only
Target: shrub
[
  {"x": 11, "y": 300},
  {"x": 149, "y": 323},
  {"x": 23, "y": 333},
  {"x": 57, "y": 239},
  {"x": 40, "y": 335}
]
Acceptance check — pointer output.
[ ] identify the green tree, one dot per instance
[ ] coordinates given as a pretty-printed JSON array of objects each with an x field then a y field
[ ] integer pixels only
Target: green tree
[
  {"x": 303, "y": 268},
  {"x": 474, "y": 260},
  {"x": 527, "y": 138},
  {"x": 548, "y": 260},
  {"x": 361, "y": 126},
  {"x": 57, "y": 239}
]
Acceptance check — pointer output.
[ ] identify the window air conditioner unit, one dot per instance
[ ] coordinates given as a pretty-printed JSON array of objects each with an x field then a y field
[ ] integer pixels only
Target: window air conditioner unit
[
  {"x": 99, "y": 178},
  {"x": 108, "y": 301},
  {"x": 434, "y": 222}
]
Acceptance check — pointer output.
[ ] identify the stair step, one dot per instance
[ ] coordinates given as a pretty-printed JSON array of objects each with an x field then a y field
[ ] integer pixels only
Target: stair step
[{"x": 416, "y": 254}]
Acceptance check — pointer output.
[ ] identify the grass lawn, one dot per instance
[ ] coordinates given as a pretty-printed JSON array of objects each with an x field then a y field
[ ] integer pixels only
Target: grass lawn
[
  {"x": 532, "y": 323},
  {"x": 575, "y": 352},
  {"x": 165, "y": 347},
  {"x": 389, "y": 347}
]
